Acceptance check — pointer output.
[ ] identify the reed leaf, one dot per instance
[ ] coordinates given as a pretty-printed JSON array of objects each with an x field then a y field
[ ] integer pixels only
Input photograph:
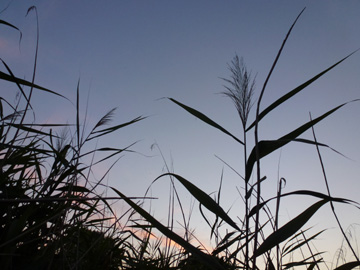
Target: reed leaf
[
  {"x": 300, "y": 244},
  {"x": 269, "y": 146},
  {"x": 312, "y": 265},
  {"x": 295, "y": 91},
  {"x": 28, "y": 129},
  {"x": 289, "y": 229},
  {"x": 105, "y": 131},
  {"x": 74, "y": 188},
  {"x": 227, "y": 243},
  {"x": 6, "y": 77},
  {"x": 205, "y": 258},
  {"x": 303, "y": 262},
  {"x": 308, "y": 193},
  {"x": 206, "y": 119},
  {"x": 78, "y": 113},
  {"x": 203, "y": 199},
  {"x": 348, "y": 266},
  {"x": 9, "y": 24}
]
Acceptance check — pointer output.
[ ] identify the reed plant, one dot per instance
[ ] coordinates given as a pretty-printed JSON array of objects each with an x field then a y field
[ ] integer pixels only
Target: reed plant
[{"x": 258, "y": 234}]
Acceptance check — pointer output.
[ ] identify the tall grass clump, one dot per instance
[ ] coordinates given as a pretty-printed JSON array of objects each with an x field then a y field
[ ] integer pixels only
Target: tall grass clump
[
  {"x": 258, "y": 240},
  {"x": 53, "y": 213}
]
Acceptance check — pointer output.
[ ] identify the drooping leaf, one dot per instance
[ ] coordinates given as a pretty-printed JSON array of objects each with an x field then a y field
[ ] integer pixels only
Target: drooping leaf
[
  {"x": 203, "y": 199},
  {"x": 206, "y": 119},
  {"x": 307, "y": 193},
  {"x": 12, "y": 26},
  {"x": 288, "y": 229},
  {"x": 205, "y": 258},
  {"x": 6, "y": 77},
  {"x": 9, "y": 24}
]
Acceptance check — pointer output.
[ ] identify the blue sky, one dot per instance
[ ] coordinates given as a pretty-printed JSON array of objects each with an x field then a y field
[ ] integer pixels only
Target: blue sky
[{"x": 130, "y": 54}]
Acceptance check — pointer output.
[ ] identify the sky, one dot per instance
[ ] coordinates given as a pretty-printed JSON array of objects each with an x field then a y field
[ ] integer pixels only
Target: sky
[{"x": 132, "y": 54}]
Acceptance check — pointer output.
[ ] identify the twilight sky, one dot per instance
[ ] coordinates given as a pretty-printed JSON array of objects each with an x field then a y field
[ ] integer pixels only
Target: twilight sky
[{"x": 130, "y": 54}]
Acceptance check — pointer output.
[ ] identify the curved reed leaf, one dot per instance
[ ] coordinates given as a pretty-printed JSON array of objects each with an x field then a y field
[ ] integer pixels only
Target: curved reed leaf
[
  {"x": 18, "y": 81},
  {"x": 28, "y": 129},
  {"x": 203, "y": 199},
  {"x": 269, "y": 146},
  {"x": 206, "y": 119},
  {"x": 303, "y": 262},
  {"x": 308, "y": 193},
  {"x": 102, "y": 132},
  {"x": 205, "y": 258},
  {"x": 288, "y": 229},
  {"x": 299, "y": 244},
  {"x": 9, "y": 24},
  {"x": 295, "y": 91},
  {"x": 12, "y": 26},
  {"x": 348, "y": 266}
]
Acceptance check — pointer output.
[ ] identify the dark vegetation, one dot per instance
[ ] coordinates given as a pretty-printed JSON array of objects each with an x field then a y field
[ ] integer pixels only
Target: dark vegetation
[{"x": 53, "y": 216}]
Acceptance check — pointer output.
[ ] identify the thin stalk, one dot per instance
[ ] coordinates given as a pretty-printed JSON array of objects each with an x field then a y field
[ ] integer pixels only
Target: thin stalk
[
  {"x": 277, "y": 219},
  {"x": 328, "y": 191},
  {"x": 247, "y": 227},
  {"x": 35, "y": 60},
  {"x": 310, "y": 250},
  {"x": 33, "y": 76},
  {"x": 256, "y": 134}
]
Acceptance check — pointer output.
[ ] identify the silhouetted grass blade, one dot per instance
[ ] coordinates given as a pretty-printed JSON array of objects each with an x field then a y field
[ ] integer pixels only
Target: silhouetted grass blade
[
  {"x": 102, "y": 132},
  {"x": 289, "y": 229},
  {"x": 307, "y": 193},
  {"x": 16, "y": 80},
  {"x": 203, "y": 199},
  {"x": 12, "y": 26},
  {"x": 9, "y": 24},
  {"x": 28, "y": 129},
  {"x": 78, "y": 112},
  {"x": 73, "y": 188},
  {"x": 205, "y": 258},
  {"x": 268, "y": 146},
  {"x": 295, "y": 91},
  {"x": 348, "y": 266},
  {"x": 301, "y": 243},
  {"x": 206, "y": 119},
  {"x": 304, "y": 262}
]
